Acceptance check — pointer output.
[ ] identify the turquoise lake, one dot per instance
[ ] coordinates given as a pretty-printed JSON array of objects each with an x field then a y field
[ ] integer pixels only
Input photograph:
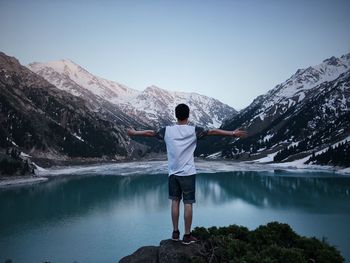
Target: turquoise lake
[{"x": 103, "y": 214}]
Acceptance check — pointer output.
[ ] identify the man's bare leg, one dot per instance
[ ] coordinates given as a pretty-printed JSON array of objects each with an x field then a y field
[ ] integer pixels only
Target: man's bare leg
[
  {"x": 188, "y": 218},
  {"x": 175, "y": 212}
]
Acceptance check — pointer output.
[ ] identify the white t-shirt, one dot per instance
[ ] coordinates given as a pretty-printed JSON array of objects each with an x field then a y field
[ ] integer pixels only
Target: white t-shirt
[{"x": 181, "y": 142}]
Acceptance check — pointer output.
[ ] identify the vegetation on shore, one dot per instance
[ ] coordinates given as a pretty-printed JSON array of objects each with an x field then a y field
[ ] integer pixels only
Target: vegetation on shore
[
  {"x": 336, "y": 156},
  {"x": 13, "y": 164},
  {"x": 274, "y": 242}
]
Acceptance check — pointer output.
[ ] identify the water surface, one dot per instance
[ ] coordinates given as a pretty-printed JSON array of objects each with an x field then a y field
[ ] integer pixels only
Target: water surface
[{"x": 101, "y": 216}]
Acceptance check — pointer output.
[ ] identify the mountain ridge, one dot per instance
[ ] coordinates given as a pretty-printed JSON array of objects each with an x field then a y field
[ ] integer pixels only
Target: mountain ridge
[
  {"x": 314, "y": 103},
  {"x": 298, "y": 118},
  {"x": 154, "y": 105}
]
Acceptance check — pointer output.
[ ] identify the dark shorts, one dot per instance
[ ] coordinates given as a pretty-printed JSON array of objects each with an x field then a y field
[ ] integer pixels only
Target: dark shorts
[{"x": 182, "y": 187}]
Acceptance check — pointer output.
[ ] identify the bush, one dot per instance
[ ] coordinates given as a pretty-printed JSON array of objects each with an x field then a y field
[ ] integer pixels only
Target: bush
[
  {"x": 274, "y": 242},
  {"x": 10, "y": 167}
]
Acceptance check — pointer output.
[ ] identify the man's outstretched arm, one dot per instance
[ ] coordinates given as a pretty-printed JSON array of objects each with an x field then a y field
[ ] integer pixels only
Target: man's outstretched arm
[
  {"x": 236, "y": 133},
  {"x": 146, "y": 133}
]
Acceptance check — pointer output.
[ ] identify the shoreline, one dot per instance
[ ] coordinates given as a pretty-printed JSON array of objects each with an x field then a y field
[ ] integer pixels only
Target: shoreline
[
  {"x": 7, "y": 181},
  {"x": 50, "y": 163},
  {"x": 58, "y": 169},
  {"x": 10, "y": 181}
]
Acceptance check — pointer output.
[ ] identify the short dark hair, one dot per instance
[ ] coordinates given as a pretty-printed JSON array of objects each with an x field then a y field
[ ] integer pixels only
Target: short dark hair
[{"x": 182, "y": 112}]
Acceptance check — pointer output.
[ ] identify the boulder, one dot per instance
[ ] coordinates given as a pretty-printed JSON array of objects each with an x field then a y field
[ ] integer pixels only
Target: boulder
[
  {"x": 147, "y": 254},
  {"x": 168, "y": 251}
]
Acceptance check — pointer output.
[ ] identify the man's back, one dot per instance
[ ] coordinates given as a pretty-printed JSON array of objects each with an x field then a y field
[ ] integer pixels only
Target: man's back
[{"x": 181, "y": 143}]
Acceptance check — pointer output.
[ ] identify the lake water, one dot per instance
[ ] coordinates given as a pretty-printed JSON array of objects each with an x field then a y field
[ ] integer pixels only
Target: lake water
[{"x": 102, "y": 213}]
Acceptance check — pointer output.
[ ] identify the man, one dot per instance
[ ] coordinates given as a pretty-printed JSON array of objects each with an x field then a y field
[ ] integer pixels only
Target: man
[{"x": 181, "y": 140}]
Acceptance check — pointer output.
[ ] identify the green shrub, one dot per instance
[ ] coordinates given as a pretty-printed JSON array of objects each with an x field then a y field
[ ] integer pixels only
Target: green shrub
[
  {"x": 273, "y": 233},
  {"x": 274, "y": 242},
  {"x": 276, "y": 254}
]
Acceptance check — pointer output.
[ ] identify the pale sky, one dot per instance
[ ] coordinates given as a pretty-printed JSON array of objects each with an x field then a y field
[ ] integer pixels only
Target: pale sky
[{"x": 230, "y": 50}]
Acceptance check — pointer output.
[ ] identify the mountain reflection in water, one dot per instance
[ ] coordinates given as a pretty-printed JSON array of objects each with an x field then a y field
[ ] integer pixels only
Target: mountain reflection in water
[
  {"x": 134, "y": 211},
  {"x": 329, "y": 195}
]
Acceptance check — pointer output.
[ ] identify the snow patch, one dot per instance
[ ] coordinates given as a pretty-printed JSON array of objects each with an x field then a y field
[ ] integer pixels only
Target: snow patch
[
  {"x": 268, "y": 137},
  {"x": 214, "y": 155},
  {"x": 344, "y": 171},
  {"x": 301, "y": 96},
  {"x": 268, "y": 158},
  {"x": 25, "y": 155},
  {"x": 300, "y": 163},
  {"x": 78, "y": 137}
]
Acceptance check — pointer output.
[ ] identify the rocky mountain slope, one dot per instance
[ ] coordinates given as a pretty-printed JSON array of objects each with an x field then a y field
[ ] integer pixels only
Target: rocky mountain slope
[
  {"x": 307, "y": 113},
  {"x": 50, "y": 123},
  {"x": 154, "y": 106}
]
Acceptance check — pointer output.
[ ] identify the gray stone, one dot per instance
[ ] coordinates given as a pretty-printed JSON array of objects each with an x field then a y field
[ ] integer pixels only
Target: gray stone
[
  {"x": 175, "y": 252},
  {"x": 169, "y": 251},
  {"x": 144, "y": 254}
]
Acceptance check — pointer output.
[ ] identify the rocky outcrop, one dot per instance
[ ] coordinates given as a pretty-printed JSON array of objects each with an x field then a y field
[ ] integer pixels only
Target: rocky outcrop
[
  {"x": 274, "y": 242},
  {"x": 148, "y": 254},
  {"x": 168, "y": 251}
]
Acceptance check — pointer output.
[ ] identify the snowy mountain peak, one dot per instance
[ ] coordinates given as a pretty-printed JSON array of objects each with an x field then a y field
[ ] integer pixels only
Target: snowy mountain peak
[
  {"x": 155, "y": 105},
  {"x": 328, "y": 70},
  {"x": 299, "y": 85},
  {"x": 153, "y": 87},
  {"x": 154, "y": 90},
  {"x": 65, "y": 66},
  {"x": 65, "y": 74}
]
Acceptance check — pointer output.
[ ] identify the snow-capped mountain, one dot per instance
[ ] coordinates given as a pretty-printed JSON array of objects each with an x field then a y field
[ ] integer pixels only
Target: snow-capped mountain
[
  {"x": 307, "y": 112},
  {"x": 300, "y": 86},
  {"x": 154, "y": 106},
  {"x": 64, "y": 72},
  {"x": 158, "y": 105},
  {"x": 50, "y": 123}
]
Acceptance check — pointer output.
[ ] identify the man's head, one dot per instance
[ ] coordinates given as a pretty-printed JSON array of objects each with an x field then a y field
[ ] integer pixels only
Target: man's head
[{"x": 182, "y": 112}]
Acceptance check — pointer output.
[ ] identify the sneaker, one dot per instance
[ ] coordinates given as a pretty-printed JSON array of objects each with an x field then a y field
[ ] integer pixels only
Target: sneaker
[
  {"x": 188, "y": 239},
  {"x": 176, "y": 235}
]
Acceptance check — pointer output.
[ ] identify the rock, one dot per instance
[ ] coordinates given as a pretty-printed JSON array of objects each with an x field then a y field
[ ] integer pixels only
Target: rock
[
  {"x": 144, "y": 254},
  {"x": 169, "y": 251},
  {"x": 173, "y": 252}
]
